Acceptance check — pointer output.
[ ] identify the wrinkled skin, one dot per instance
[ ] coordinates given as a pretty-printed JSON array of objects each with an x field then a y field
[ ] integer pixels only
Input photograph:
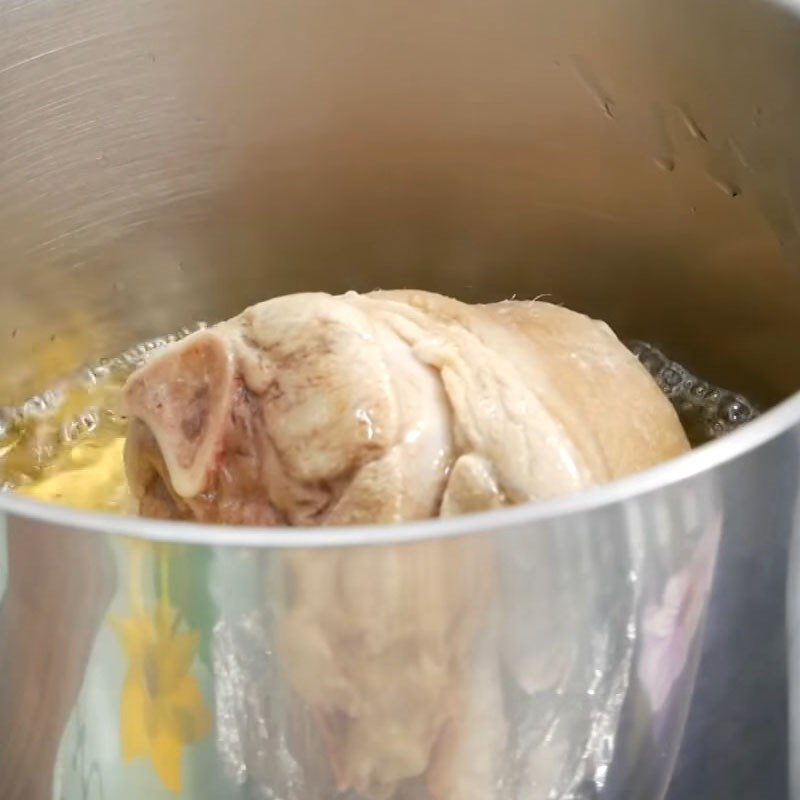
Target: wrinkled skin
[{"x": 364, "y": 409}]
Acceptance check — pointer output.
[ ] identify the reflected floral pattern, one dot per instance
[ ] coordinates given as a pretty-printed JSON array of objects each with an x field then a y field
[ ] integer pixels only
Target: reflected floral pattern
[
  {"x": 162, "y": 708},
  {"x": 669, "y": 627}
]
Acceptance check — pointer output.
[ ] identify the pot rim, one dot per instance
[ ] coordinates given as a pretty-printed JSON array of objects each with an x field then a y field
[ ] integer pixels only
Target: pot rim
[{"x": 768, "y": 426}]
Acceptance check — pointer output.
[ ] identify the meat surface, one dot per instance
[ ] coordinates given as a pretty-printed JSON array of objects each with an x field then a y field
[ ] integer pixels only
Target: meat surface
[{"x": 379, "y": 408}]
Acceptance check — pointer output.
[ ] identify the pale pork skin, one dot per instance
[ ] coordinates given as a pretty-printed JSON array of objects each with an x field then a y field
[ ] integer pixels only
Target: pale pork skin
[{"x": 312, "y": 409}]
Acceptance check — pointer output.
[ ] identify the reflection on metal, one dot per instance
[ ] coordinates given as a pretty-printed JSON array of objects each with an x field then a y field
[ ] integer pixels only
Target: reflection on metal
[
  {"x": 3, "y": 558},
  {"x": 165, "y": 162},
  {"x": 87, "y": 767}
]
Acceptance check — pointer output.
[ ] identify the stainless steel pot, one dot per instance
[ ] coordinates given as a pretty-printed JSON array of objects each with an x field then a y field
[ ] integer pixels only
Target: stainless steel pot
[{"x": 164, "y": 162}]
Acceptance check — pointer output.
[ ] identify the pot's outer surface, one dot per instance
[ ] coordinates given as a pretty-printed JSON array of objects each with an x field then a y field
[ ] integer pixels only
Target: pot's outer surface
[{"x": 164, "y": 162}]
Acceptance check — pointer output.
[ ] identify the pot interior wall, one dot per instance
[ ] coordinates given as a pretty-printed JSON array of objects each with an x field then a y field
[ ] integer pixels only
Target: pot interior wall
[{"x": 169, "y": 162}]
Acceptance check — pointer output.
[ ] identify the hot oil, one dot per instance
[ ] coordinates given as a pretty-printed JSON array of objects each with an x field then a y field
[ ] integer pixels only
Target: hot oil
[
  {"x": 69, "y": 451},
  {"x": 66, "y": 445},
  {"x": 705, "y": 411}
]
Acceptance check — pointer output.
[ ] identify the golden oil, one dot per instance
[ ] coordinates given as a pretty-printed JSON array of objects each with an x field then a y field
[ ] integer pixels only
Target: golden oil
[{"x": 66, "y": 445}]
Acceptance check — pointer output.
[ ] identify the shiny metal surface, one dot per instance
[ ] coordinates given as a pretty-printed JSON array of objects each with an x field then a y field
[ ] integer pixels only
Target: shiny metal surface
[
  {"x": 597, "y": 621},
  {"x": 164, "y": 162},
  {"x": 587, "y": 150}
]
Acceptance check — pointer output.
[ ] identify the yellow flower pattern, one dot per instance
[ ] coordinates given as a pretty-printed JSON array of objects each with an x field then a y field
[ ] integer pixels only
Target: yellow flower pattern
[
  {"x": 162, "y": 708},
  {"x": 72, "y": 454}
]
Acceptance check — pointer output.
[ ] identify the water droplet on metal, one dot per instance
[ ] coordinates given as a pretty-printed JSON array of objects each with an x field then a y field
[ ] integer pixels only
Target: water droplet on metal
[
  {"x": 730, "y": 189},
  {"x": 665, "y": 163},
  {"x": 695, "y": 131},
  {"x": 662, "y": 141},
  {"x": 739, "y": 154},
  {"x": 592, "y": 84}
]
